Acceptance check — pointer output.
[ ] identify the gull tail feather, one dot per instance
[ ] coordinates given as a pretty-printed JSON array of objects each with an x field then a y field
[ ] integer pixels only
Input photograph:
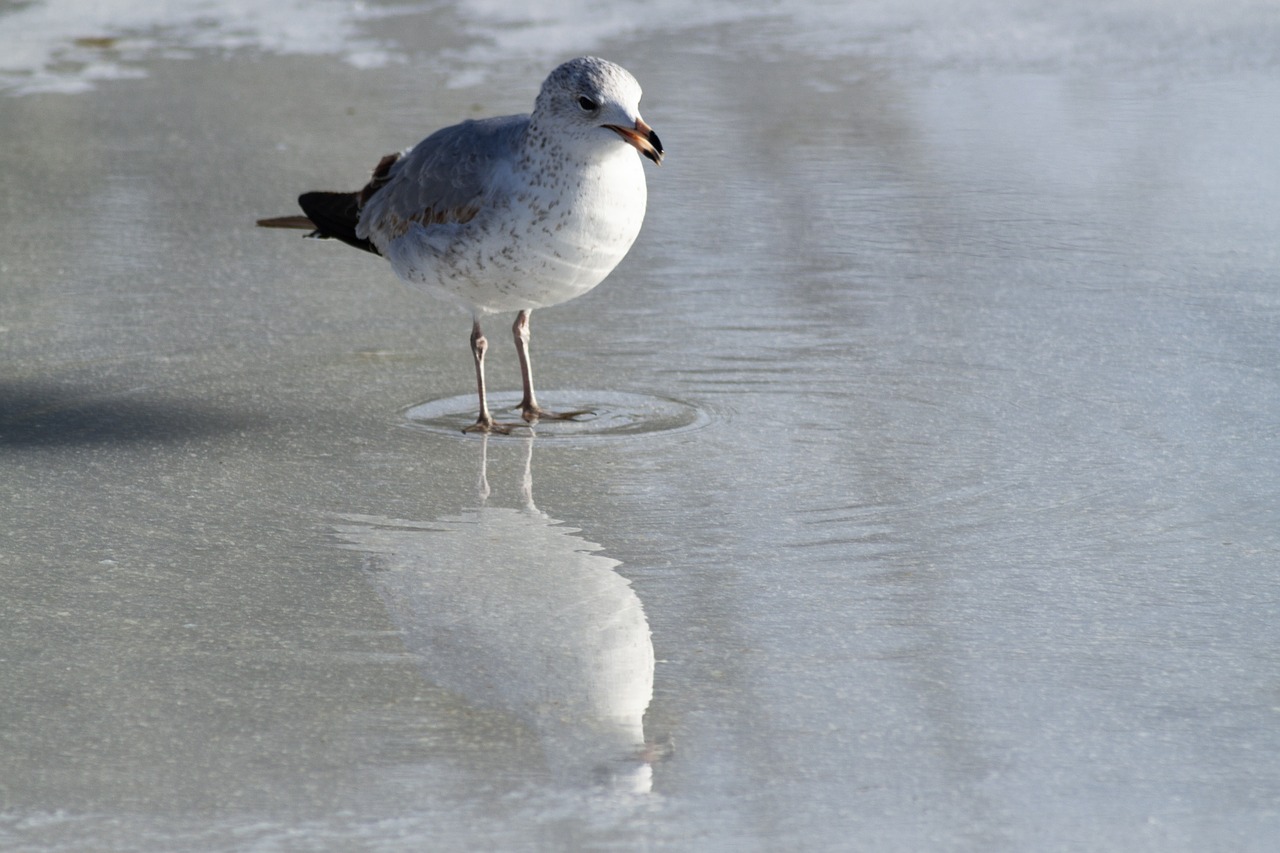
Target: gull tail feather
[
  {"x": 299, "y": 222},
  {"x": 327, "y": 215}
]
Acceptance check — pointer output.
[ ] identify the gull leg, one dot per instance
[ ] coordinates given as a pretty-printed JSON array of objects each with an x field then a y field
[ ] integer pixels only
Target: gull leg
[
  {"x": 528, "y": 403},
  {"x": 479, "y": 343},
  {"x": 529, "y": 408}
]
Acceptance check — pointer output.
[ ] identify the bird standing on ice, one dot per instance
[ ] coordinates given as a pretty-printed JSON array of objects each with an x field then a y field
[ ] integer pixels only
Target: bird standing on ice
[{"x": 507, "y": 214}]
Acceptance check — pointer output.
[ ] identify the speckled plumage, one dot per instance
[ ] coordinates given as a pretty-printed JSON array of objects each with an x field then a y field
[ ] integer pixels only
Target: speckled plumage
[{"x": 511, "y": 213}]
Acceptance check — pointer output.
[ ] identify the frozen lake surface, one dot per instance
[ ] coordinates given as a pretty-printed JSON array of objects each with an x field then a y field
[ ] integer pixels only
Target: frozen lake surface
[{"x": 933, "y": 503}]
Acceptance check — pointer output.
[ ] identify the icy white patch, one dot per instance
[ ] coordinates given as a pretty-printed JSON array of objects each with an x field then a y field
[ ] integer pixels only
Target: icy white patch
[{"x": 70, "y": 45}]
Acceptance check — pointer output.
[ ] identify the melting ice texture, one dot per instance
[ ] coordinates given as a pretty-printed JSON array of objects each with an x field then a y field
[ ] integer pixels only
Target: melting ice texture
[{"x": 71, "y": 46}]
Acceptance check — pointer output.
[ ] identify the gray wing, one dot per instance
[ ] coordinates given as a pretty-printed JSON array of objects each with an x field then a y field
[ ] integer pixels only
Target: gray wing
[{"x": 444, "y": 178}]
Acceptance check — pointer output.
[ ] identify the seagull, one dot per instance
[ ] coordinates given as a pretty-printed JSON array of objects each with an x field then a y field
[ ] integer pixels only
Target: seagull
[{"x": 509, "y": 213}]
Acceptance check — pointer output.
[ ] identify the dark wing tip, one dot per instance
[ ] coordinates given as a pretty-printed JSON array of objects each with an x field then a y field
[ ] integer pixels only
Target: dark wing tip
[{"x": 335, "y": 215}]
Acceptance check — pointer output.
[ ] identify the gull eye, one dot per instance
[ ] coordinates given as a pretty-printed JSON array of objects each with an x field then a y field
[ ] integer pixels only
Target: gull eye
[{"x": 587, "y": 104}]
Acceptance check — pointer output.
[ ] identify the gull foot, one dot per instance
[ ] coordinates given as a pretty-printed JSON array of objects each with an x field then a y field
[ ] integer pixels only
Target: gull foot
[
  {"x": 489, "y": 426},
  {"x": 533, "y": 414}
]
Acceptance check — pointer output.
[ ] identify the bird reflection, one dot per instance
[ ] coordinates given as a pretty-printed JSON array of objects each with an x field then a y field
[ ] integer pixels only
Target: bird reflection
[{"x": 515, "y": 612}]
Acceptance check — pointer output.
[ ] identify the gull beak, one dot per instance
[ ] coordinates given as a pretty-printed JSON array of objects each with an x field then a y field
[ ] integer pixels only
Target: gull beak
[{"x": 642, "y": 137}]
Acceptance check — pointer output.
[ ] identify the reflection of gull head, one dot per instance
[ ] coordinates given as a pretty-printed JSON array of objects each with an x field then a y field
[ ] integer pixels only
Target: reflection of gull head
[{"x": 515, "y": 612}]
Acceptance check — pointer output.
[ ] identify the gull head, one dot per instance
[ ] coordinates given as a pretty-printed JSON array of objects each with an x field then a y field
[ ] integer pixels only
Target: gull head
[{"x": 591, "y": 101}]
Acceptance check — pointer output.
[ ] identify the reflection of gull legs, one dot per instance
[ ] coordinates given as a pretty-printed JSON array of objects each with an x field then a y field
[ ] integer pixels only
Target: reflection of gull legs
[
  {"x": 526, "y": 479},
  {"x": 482, "y": 478}
]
